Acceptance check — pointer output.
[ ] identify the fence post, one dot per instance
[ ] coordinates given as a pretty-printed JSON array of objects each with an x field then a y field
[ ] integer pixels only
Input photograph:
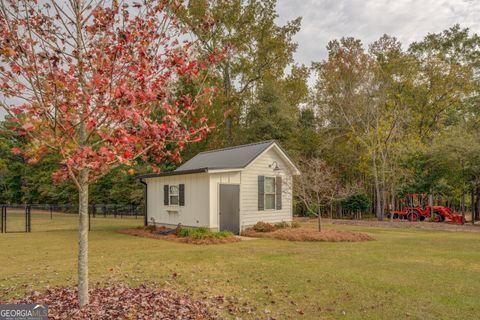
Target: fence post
[
  {"x": 51, "y": 212},
  {"x": 29, "y": 219},
  {"x": 3, "y": 209}
]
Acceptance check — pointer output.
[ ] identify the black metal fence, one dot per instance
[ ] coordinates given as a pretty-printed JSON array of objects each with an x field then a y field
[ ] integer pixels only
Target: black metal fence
[{"x": 18, "y": 218}]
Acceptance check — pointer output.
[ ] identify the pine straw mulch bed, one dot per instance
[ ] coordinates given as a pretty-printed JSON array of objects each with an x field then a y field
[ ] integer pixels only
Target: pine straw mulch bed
[
  {"x": 310, "y": 234},
  {"x": 140, "y": 232},
  {"x": 119, "y": 301}
]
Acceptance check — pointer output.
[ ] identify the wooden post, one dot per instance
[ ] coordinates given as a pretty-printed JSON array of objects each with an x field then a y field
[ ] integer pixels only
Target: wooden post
[{"x": 1, "y": 220}]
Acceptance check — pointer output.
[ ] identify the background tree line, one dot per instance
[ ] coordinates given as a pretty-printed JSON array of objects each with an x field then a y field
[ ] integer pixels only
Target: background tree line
[{"x": 380, "y": 120}]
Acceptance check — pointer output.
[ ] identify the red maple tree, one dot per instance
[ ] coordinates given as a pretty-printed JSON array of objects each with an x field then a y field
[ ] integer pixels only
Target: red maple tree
[{"x": 102, "y": 84}]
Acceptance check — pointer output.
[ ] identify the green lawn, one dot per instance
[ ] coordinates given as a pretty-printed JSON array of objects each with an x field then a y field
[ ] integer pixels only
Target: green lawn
[{"x": 416, "y": 274}]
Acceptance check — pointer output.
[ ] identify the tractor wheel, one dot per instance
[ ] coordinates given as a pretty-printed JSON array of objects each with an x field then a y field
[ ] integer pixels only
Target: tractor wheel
[
  {"x": 438, "y": 218},
  {"x": 395, "y": 216},
  {"x": 389, "y": 215},
  {"x": 413, "y": 216},
  {"x": 401, "y": 217},
  {"x": 422, "y": 218}
]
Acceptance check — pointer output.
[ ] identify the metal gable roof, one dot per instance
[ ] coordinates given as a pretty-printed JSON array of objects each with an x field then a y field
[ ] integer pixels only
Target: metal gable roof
[
  {"x": 237, "y": 157},
  {"x": 227, "y": 158}
]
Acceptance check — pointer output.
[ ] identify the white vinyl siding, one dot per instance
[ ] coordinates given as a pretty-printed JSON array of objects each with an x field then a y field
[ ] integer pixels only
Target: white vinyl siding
[
  {"x": 195, "y": 213},
  {"x": 249, "y": 213}
]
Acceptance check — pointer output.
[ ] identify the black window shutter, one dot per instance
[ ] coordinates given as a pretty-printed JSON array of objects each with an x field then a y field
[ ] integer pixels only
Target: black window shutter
[
  {"x": 181, "y": 192},
  {"x": 165, "y": 195},
  {"x": 278, "y": 193},
  {"x": 261, "y": 193}
]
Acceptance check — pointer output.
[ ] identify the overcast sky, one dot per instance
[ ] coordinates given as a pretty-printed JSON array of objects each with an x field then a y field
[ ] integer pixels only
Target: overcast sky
[
  {"x": 368, "y": 20},
  {"x": 408, "y": 20}
]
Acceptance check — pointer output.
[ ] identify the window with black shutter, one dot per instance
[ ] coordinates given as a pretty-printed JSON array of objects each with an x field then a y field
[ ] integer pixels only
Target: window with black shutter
[
  {"x": 166, "y": 198},
  {"x": 174, "y": 195},
  {"x": 270, "y": 193},
  {"x": 261, "y": 193}
]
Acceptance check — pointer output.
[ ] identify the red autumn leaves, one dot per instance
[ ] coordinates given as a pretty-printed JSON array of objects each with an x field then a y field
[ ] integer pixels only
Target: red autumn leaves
[{"x": 134, "y": 90}]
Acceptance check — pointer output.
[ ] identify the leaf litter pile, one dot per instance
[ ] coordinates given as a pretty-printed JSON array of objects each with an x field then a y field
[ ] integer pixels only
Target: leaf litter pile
[
  {"x": 119, "y": 301},
  {"x": 310, "y": 234}
]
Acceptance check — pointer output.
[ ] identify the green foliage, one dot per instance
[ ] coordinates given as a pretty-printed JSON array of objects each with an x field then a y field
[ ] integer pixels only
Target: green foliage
[
  {"x": 391, "y": 119},
  {"x": 203, "y": 233},
  {"x": 356, "y": 203}
]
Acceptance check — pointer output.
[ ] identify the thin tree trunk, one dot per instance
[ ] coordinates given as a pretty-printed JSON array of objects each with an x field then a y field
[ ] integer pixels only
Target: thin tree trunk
[
  {"x": 227, "y": 88},
  {"x": 393, "y": 202},
  {"x": 378, "y": 204},
  {"x": 463, "y": 207},
  {"x": 477, "y": 203},
  {"x": 83, "y": 174},
  {"x": 430, "y": 203},
  {"x": 473, "y": 206},
  {"x": 319, "y": 221},
  {"x": 83, "y": 239}
]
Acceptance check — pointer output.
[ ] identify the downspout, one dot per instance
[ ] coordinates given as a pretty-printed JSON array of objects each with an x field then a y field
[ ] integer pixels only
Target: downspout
[{"x": 145, "y": 199}]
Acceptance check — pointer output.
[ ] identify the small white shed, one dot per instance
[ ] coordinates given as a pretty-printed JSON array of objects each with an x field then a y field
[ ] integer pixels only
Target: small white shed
[{"x": 225, "y": 189}]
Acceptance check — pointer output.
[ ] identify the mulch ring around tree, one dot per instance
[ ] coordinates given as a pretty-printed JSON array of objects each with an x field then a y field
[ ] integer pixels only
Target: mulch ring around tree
[
  {"x": 310, "y": 234},
  {"x": 119, "y": 301},
  {"x": 154, "y": 234}
]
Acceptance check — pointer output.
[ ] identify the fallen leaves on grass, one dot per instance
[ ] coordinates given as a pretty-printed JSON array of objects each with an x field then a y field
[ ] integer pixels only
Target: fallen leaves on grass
[
  {"x": 310, "y": 234},
  {"x": 119, "y": 301},
  {"x": 172, "y": 237}
]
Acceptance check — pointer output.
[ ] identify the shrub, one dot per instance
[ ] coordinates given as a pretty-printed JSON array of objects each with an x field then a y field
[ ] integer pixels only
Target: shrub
[
  {"x": 203, "y": 233},
  {"x": 281, "y": 225},
  {"x": 263, "y": 227},
  {"x": 356, "y": 202}
]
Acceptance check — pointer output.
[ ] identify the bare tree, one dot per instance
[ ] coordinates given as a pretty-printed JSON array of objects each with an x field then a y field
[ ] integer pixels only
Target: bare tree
[{"x": 318, "y": 185}]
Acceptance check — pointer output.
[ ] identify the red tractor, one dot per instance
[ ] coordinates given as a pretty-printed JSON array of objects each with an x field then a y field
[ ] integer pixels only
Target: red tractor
[{"x": 416, "y": 210}]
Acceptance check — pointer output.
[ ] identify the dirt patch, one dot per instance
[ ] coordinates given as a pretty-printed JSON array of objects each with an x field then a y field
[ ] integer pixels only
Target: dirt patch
[
  {"x": 119, "y": 301},
  {"x": 172, "y": 237},
  {"x": 444, "y": 226},
  {"x": 310, "y": 234}
]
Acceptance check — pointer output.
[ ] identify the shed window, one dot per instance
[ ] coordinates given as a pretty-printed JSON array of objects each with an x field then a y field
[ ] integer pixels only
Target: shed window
[
  {"x": 174, "y": 195},
  {"x": 269, "y": 193}
]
